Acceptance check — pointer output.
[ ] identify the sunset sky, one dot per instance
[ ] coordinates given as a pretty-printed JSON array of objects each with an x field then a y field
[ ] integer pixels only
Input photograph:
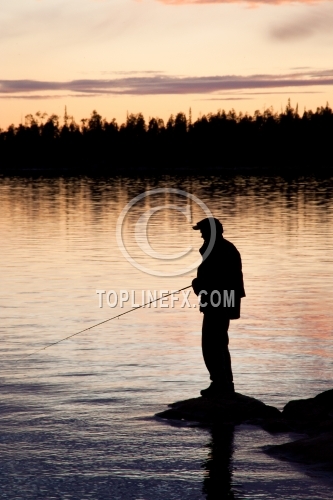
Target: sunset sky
[{"x": 163, "y": 56}]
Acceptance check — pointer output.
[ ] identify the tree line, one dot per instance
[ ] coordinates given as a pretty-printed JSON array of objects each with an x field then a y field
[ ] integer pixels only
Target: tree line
[{"x": 222, "y": 139}]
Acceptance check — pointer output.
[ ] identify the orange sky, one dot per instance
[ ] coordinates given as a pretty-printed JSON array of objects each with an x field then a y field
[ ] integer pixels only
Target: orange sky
[{"x": 161, "y": 57}]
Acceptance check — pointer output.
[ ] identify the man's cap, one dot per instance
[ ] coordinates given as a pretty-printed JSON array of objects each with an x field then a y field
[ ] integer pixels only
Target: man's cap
[{"x": 207, "y": 224}]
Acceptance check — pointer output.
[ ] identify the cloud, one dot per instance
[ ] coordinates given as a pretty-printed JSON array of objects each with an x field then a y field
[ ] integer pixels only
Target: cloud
[
  {"x": 285, "y": 92},
  {"x": 313, "y": 23},
  {"x": 41, "y": 97},
  {"x": 163, "y": 84},
  {"x": 54, "y": 24},
  {"x": 249, "y": 2},
  {"x": 226, "y": 99}
]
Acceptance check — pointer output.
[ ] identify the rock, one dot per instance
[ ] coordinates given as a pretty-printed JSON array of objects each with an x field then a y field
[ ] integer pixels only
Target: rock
[
  {"x": 311, "y": 415},
  {"x": 274, "y": 425},
  {"x": 231, "y": 409},
  {"x": 310, "y": 450}
]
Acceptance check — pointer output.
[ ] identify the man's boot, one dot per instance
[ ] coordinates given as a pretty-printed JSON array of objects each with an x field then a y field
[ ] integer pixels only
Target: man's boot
[{"x": 216, "y": 390}]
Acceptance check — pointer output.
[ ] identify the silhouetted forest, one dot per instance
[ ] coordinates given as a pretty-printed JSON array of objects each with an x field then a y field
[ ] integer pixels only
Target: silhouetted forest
[{"x": 268, "y": 139}]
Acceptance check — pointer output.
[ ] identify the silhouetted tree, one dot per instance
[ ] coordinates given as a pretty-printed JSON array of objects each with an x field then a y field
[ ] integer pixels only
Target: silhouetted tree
[
  {"x": 266, "y": 138},
  {"x": 95, "y": 122},
  {"x": 155, "y": 126},
  {"x": 180, "y": 124}
]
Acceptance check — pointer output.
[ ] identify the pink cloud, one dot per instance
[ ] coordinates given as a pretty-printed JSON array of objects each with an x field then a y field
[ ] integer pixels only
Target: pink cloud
[
  {"x": 164, "y": 84},
  {"x": 252, "y": 3},
  {"x": 316, "y": 22}
]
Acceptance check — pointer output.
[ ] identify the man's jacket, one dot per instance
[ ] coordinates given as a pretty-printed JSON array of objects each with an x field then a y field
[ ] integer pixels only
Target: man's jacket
[{"x": 221, "y": 270}]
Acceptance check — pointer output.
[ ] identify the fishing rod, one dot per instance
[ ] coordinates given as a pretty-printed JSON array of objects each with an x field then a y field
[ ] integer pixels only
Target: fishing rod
[{"x": 105, "y": 321}]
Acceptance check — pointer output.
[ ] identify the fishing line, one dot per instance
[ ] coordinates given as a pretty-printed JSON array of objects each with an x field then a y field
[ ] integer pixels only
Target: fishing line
[{"x": 105, "y": 321}]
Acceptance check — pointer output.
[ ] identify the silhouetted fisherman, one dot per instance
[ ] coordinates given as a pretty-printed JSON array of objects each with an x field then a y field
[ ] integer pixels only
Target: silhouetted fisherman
[{"x": 220, "y": 285}]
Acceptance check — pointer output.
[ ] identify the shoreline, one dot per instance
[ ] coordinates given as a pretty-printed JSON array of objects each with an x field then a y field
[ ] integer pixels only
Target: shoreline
[
  {"x": 138, "y": 171},
  {"x": 312, "y": 418}
]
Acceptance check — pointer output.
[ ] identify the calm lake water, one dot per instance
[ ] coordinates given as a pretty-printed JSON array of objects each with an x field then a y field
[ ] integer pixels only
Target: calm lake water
[{"x": 77, "y": 420}]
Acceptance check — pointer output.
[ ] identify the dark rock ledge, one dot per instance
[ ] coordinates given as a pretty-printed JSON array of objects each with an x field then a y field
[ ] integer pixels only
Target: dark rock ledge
[
  {"x": 313, "y": 417},
  {"x": 234, "y": 409}
]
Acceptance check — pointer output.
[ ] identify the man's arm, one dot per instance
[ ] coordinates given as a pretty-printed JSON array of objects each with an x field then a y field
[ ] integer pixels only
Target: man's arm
[{"x": 196, "y": 286}]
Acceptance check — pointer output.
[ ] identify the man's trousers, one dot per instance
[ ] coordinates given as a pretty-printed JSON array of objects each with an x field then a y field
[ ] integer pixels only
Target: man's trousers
[{"x": 215, "y": 341}]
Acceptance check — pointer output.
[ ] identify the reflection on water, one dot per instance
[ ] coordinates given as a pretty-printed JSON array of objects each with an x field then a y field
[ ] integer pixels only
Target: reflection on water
[
  {"x": 76, "y": 419},
  {"x": 218, "y": 467}
]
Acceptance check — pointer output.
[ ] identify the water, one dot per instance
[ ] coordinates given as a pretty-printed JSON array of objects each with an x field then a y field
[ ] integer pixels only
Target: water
[{"x": 77, "y": 420}]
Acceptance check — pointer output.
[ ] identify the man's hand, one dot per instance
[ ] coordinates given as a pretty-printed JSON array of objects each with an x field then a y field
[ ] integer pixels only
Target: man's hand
[{"x": 196, "y": 286}]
